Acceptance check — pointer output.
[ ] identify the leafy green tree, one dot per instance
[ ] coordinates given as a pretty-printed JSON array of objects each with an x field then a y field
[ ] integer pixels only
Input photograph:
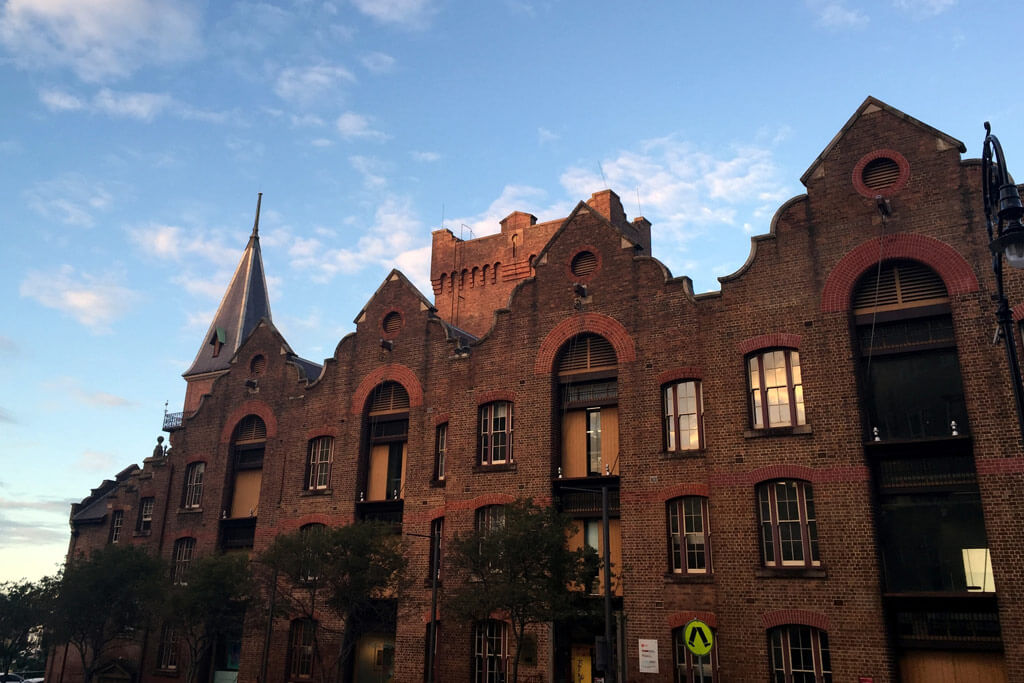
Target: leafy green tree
[
  {"x": 104, "y": 599},
  {"x": 23, "y": 609},
  {"x": 522, "y": 567},
  {"x": 350, "y": 571},
  {"x": 211, "y": 604}
]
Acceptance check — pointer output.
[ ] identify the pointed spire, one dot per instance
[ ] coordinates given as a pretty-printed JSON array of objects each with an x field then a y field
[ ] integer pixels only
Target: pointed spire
[
  {"x": 256, "y": 223},
  {"x": 246, "y": 302}
]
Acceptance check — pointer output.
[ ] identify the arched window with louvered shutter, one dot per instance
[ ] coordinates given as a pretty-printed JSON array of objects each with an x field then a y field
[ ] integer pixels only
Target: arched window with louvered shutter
[
  {"x": 586, "y": 376},
  {"x": 387, "y": 419},
  {"x": 908, "y": 353},
  {"x": 248, "y": 446}
]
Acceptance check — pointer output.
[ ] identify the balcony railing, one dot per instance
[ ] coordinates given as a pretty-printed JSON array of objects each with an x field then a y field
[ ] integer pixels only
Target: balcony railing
[
  {"x": 389, "y": 511},
  {"x": 172, "y": 421},
  {"x": 582, "y": 497},
  {"x": 237, "y": 533}
]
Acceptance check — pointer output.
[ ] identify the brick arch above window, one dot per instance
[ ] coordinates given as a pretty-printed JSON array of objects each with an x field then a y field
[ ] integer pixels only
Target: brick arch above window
[
  {"x": 956, "y": 273},
  {"x": 322, "y": 431},
  {"x": 1018, "y": 313},
  {"x": 677, "y": 374},
  {"x": 767, "y": 341},
  {"x": 772, "y": 472},
  {"x": 595, "y": 323},
  {"x": 680, "y": 619},
  {"x": 395, "y": 372},
  {"x": 782, "y": 617},
  {"x": 680, "y": 490},
  {"x": 258, "y": 408},
  {"x": 495, "y": 395},
  {"x": 316, "y": 518}
]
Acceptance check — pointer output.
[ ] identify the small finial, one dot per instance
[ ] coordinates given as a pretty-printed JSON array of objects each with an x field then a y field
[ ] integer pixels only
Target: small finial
[
  {"x": 607, "y": 471},
  {"x": 875, "y": 432},
  {"x": 952, "y": 426},
  {"x": 559, "y": 472},
  {"x": 361, "y": 496},
  {"x": 256, "y": 223}
]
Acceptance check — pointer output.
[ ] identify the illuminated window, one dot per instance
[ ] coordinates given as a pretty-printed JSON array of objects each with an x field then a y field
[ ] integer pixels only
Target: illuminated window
[
  {"x": 684, "y": 416},
  {"x": 776, "y": 389}
]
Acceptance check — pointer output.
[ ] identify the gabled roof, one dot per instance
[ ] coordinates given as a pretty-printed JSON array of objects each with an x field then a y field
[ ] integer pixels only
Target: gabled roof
[
  {"x": 246, "y": 302},
  {"x": 396, "y": 274},
  {"x": 869, "y": 106},
  {"x": 580, "y": 206}
]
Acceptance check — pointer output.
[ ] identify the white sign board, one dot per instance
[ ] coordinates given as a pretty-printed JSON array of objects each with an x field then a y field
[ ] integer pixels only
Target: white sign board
[{"x": 648, "y": 656}]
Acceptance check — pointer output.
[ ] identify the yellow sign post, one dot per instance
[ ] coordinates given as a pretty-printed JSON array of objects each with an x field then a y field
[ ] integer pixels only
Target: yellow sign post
[{"x": 698, "y": 638}]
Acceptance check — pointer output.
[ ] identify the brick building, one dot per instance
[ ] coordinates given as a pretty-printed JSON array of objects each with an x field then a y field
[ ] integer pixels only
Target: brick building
[{"x": 818, "y": 461}]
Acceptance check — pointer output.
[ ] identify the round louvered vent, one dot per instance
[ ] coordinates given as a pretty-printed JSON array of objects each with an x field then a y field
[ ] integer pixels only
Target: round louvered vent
[
  {"x": 258, "y": 365},
  {"x": 881, "y": 173},
  {"x": 584, "y": 263},
  {"x": 392, "y": 322}
]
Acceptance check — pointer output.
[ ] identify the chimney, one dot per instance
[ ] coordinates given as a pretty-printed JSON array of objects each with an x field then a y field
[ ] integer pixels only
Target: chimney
[
  {"x": 517, "y": 220},
  {"x": 607, "y": 204}
]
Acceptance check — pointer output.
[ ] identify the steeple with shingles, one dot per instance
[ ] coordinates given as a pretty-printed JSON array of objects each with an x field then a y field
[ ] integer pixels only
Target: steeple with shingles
[{"x": 245, "y": 303}]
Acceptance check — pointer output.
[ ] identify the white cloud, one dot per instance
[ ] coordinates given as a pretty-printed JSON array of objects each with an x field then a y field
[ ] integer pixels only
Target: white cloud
[
  {"x": 99, "y": 40},
  {"x": 95, "y": 302},
  {"x": 372, "y": 170},
  {"x": 69, "y": 386},
  {"x": 512, "y": 198},
  {"x": 352, "y": 125},
  {"x": 925, "y": 8},
  {"x": 427, "y": 157},
  {"x": 133, "y": 105},
  {"x": 173, "y": 243},
  {"x": 406, "y": 13},
  {"x": 96, "y": 461},
  {"x": 321, "y": 142},
  {"x": 70, "y": 199},
  {"x": 378, "y": 62},
  {"x": 306, "y": 84},
  {"x": 834, "y": 14},
  {"x": 55, "y": 100},
  {"x": 545, "y": 136}
]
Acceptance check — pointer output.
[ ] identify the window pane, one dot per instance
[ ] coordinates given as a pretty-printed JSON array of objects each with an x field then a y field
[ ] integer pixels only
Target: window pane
[
  {"x": 670, "y": 422},
  {"x": 675, "y": 537},
  {"x": 767, "y": 541}
]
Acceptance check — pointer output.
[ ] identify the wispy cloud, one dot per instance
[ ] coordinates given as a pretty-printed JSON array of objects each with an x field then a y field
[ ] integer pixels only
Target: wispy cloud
[
  {"x": 545, "y": 136},
  {"x": 71, "y": 199},
  {"x": 924, "y": 8},
  {"x": 96, "y": 461},
  {"x": 6, "y": 417},
  {"x": 404, "y": 13},
  {"x": 426, "y": 157},
  {"x": 174, "y": 243},
  {"x": 378, "y": 62},
  {"x": 835, "y": 14},
  {"x": 72, "y": 387},
  {"x": 9, "y": 346},
  {"x": 512, "y": 198},
  {"x": 141, "y": 106},
  {"x": 305, "y": 84},
  {"x": 94, "y": 301},
  {"x": 372, "y": 170},
  {"x": 356, "y": 126},
  {"x": 99, "y": 40}
]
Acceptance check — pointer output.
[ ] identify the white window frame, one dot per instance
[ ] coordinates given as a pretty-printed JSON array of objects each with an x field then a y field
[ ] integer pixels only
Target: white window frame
[
  {"x": 775, "y": 389},
  {"x": 146, "y": 507},
  {"x": 318, "y": 463},
  {"x": 496, "y": 433},
  {"x": 116, "y": 524},
  {"x": 683, "y": 413},
  {"x": 440, "y": 450},
  {"x": 788, "y": 525},
  {"x": 167, "y": 660},
  {"x": 184, "y": 551},
  {"x": 193, "y": 494},
  {"x": 490, "y": 651}
]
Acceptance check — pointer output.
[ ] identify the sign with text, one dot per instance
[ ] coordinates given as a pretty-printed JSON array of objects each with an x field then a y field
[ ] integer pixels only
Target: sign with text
[{"x": 648, "y": 655}]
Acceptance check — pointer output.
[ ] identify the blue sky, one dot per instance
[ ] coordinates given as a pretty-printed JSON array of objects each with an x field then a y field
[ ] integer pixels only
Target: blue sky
[{"x": 135, "y": 135}]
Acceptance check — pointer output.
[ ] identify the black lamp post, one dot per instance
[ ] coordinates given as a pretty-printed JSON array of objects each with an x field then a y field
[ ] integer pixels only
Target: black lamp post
[{"x": 1006, "y": 238}]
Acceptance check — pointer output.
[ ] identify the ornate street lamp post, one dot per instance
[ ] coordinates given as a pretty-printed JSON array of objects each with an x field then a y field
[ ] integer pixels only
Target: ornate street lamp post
[{"x": 1003, "y": 212}]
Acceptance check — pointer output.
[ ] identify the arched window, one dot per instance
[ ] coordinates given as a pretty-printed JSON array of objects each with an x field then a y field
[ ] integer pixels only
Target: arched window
[
  {"x": 248, "y": 446},
  {"x": 586, "y": 369},
  {"x": 388, "y": 425},
  {"x": 799, "y": 654}
]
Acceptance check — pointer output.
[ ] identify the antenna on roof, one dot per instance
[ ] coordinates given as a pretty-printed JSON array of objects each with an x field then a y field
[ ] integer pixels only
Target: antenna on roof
[
  {"x": 256, "y": 223},
  {"x": 601, "y": 169},
  {"x": 639, "y": 211}
]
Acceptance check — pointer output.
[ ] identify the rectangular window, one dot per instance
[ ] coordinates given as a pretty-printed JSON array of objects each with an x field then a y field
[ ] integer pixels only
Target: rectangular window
[
  {"x": 192, "y": 496},
  {"x": 184, "y": 548},
  {"x": 440, "y": 449},
  {"x": 776, "y": 389},
  {"x": 490, "y": 651},
  {"x": 684, "y": 416},
  {"x": 318, "y": 464},
  {"x": 167, "y": 656},
  {"x": 300, "y": 649},
  {"x": 689, "y": 535},
  {"x": 146, "y": 515},
  {"x": 799, "y": 654},
  {"x": 436, "y": 539},
  {"x": 789, "y": 528},
  {"x": 496, "y": 433},
  {"x": 116, "y": 522},
  {"x": 594, "y": 441}
]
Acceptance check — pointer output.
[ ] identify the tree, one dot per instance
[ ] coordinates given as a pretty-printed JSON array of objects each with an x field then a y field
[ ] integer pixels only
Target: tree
[
  {"x": 23, "y": 608},
  {"x": 104, "y": 599},
  {"x": 209, "y": 605},
  {"x": 350, "y": 571},
  {"x": 522, "y": 567}
]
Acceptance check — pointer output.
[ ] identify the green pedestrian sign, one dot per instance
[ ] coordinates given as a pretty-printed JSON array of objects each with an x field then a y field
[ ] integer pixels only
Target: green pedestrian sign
[{"x": 698, "y": 638}]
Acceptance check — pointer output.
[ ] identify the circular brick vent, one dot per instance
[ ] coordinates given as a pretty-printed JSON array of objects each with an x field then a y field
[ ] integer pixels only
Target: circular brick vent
[
  {"x": 392, "y": 323},
  {"x": 883, "y": 172},
  {"x": 584, "y": 263},
  {"x": 258, "y": 365}
]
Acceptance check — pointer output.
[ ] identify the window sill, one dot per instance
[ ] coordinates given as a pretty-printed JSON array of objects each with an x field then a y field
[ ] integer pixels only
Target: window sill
[
  {"x": 777, "y": 431},
  {"x": 190, "y": 511},
  {"x": 437, "y": 483},
  {"x": 138, "y": 534},
  {"x": 167, "y": 673},
  {"x": 316, "y": 492},
  {"x": 791, "y": 573},
  {"x": 693, "y": 453},
  {"x": 689, "y": 578},
  {"x": 504, "y": 467}
]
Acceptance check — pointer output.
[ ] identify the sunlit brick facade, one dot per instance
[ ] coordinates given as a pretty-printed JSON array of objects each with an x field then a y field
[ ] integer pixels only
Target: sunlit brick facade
[{"x": 819, "y": 460}]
